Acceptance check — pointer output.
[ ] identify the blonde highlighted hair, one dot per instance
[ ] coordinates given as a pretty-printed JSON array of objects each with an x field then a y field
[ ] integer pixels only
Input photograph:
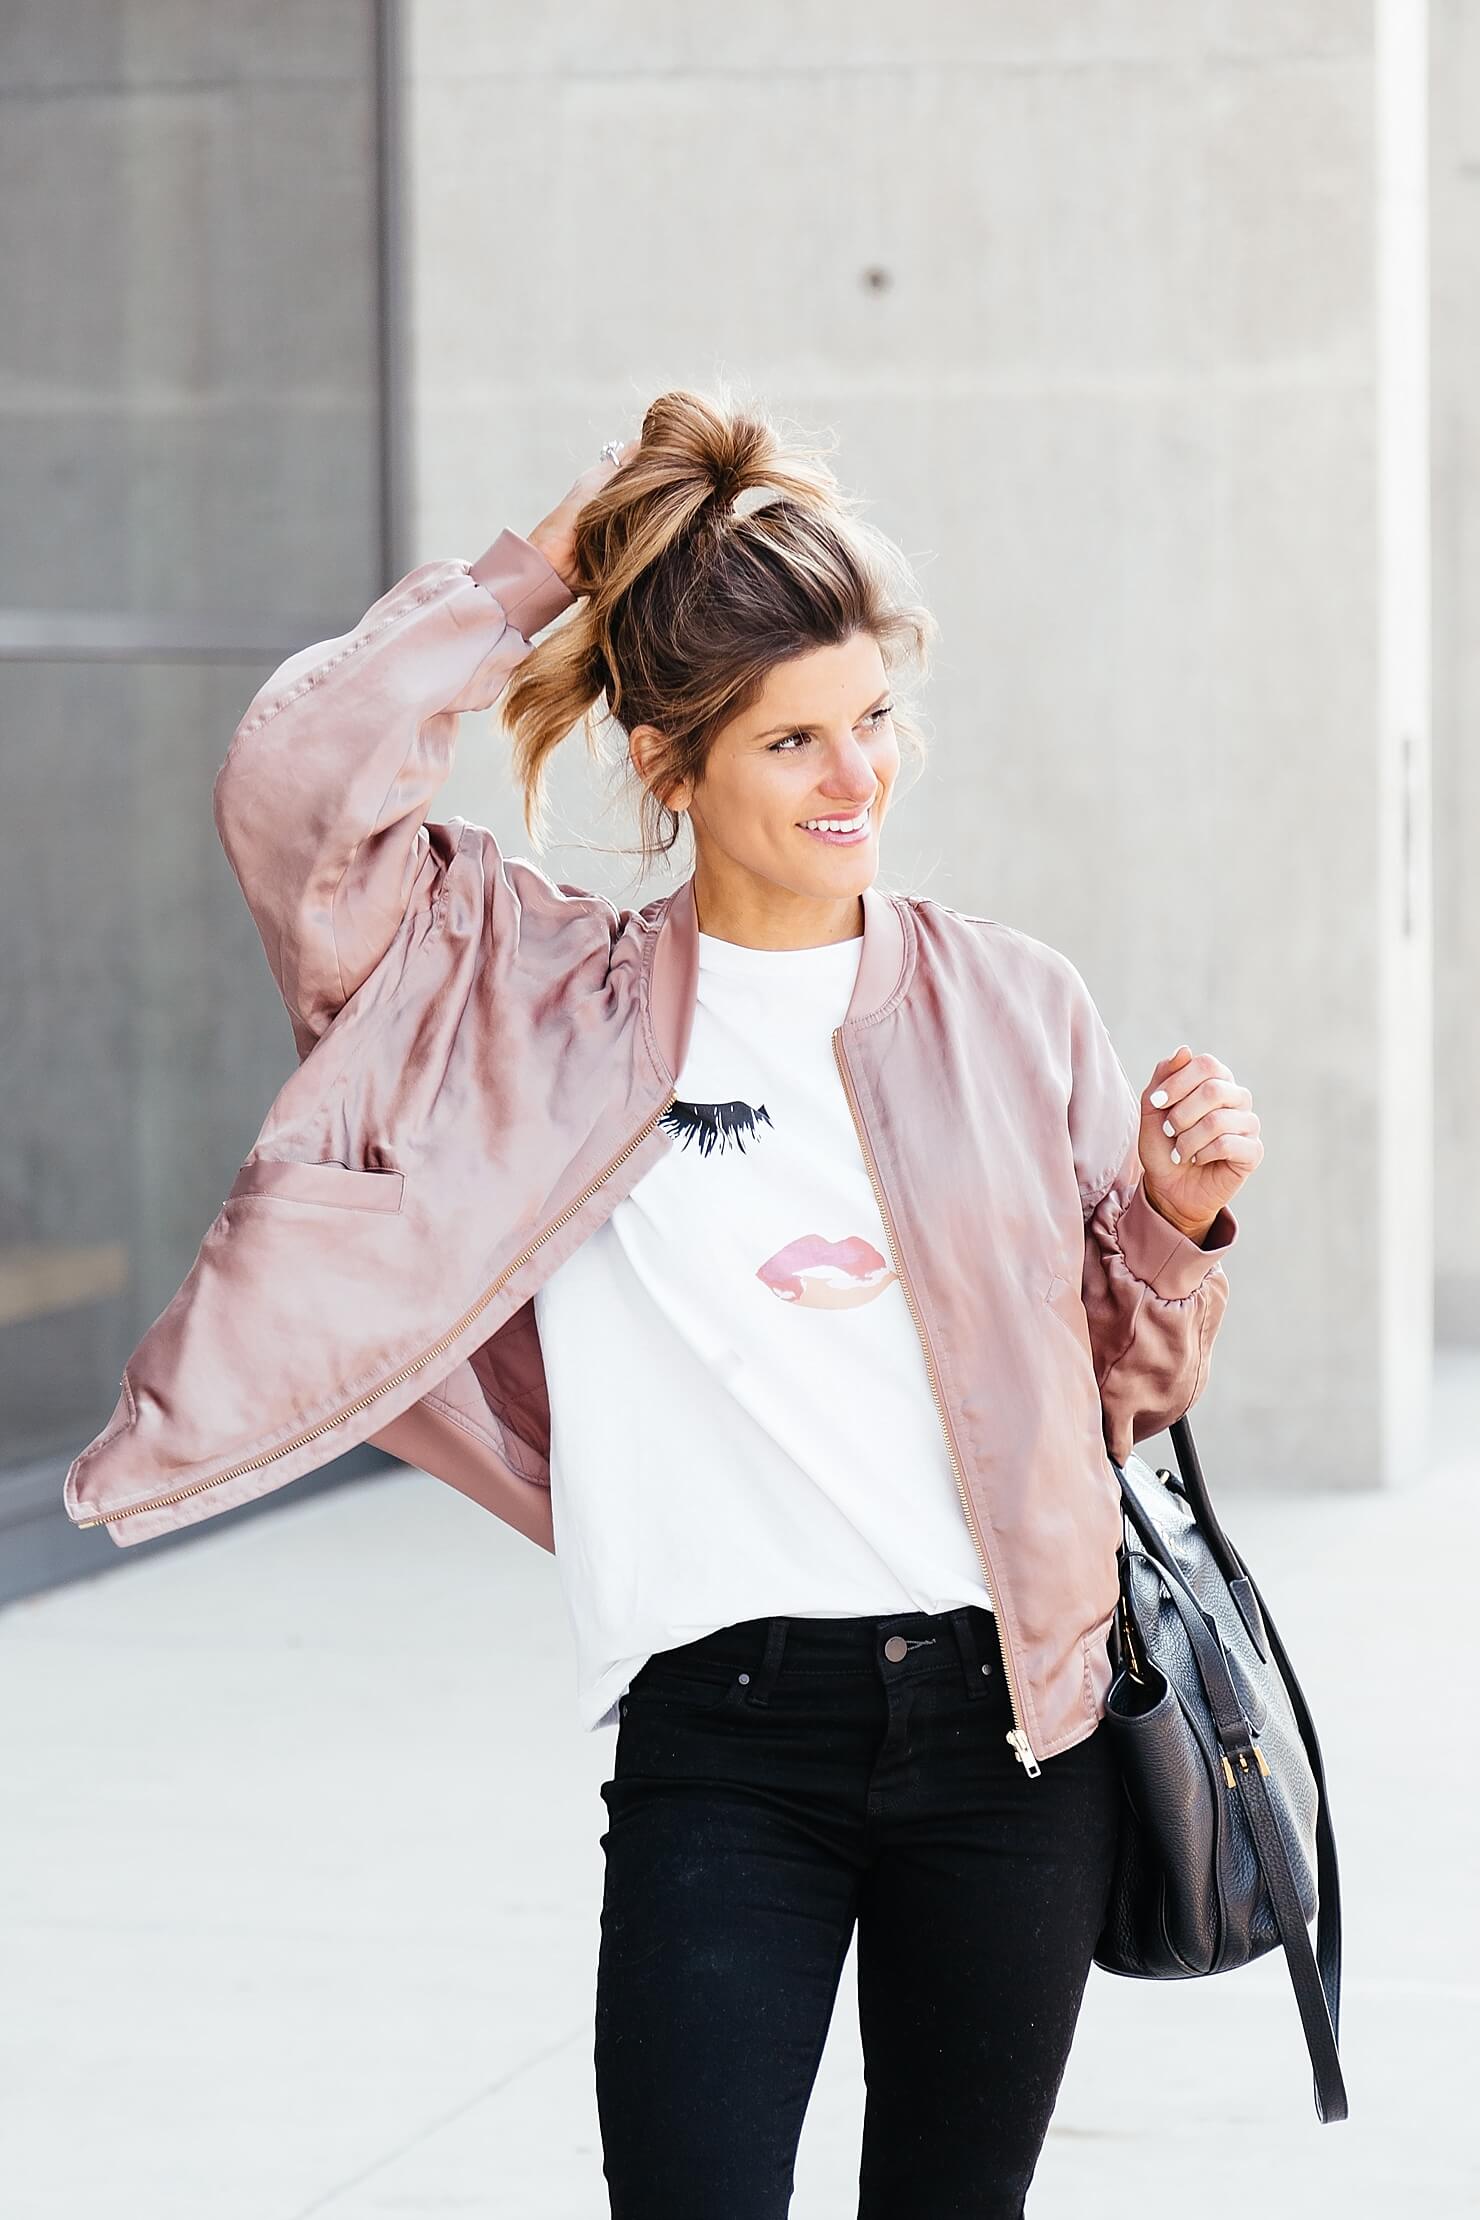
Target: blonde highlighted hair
[{"x": 686, "y": 600}]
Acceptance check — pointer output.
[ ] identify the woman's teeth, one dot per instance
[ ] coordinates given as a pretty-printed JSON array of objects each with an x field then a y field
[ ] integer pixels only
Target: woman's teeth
[{"x": 836, "y": 824}]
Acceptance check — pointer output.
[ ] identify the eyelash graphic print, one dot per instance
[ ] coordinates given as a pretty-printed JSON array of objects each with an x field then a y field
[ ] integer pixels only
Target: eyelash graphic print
[{"x": 713, "y": 1123}]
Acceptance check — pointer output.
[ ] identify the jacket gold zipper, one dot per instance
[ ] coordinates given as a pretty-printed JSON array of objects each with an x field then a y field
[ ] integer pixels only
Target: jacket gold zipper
[
  {"x": 252, "y": 1464},
  {"x": 1021, "y": 1747}
]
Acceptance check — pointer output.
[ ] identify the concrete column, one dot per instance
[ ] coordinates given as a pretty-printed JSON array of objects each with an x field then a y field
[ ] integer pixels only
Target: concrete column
[
  {"x": 190, "y": 476},
  {"x": 1454, "y": 75},
  {"x": 1403, "y": 1254}
]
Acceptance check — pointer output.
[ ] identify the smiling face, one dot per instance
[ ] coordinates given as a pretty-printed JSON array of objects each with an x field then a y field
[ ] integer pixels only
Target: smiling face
[{"x": 787, "y": 813}]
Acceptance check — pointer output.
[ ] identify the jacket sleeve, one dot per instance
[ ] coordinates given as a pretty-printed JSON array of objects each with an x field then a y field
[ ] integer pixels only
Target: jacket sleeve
[
  {"x": 322, "y": 800},
  {"x": 1154, "y": 1298}
]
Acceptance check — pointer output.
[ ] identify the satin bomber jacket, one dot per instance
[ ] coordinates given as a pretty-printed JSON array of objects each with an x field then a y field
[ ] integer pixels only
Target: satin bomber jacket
[{"x": 484, "y": 1056}]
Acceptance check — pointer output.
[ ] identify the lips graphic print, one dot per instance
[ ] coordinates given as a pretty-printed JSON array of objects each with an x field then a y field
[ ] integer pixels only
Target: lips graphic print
[{"x": 826, "y": 1275}]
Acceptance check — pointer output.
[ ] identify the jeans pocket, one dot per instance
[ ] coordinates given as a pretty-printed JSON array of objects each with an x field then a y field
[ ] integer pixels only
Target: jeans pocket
[{"x": 684, "y": 1689}]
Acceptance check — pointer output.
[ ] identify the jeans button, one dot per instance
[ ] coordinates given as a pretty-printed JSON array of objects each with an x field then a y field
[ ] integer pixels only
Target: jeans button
[
  {"x": 895, "y": 1648},
  {"x": 745, "y": 1680}
]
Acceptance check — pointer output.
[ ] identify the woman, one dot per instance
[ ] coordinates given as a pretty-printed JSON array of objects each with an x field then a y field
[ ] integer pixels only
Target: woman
[{"x": 784, "y": 1255}]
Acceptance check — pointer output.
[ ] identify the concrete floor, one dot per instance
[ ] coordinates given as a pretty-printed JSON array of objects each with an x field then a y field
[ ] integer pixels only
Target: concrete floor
[{"x": 302, "y": 1881}]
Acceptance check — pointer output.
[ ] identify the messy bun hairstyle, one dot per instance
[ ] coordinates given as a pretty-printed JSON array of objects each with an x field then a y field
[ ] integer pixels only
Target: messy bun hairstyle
[{"x": 686, "y": 600}]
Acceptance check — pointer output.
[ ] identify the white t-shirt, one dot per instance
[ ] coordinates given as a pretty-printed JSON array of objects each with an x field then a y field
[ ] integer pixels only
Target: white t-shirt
[{"x": 741, "y": 1416}]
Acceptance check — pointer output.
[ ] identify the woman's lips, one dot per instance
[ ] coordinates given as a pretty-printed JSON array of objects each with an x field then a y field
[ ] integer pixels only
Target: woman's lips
[
  {"x": 826, "y": 1275},
  {"x": 842, "y": 840}
]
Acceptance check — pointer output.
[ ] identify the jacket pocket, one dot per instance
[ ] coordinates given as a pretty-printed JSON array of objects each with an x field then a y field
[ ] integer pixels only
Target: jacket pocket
[
  {"x": 1065, "y": 1300},
  {"x": 333, "y": 1183},
  {"x": 1062, "y": 1298}
]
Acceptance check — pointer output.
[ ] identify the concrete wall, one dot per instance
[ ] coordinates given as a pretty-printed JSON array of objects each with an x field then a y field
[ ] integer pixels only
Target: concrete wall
[{"x": 1111, "y": 307}]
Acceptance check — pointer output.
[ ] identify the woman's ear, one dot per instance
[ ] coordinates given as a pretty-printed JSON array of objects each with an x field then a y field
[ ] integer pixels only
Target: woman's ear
[{"x": 644, "y": 745}]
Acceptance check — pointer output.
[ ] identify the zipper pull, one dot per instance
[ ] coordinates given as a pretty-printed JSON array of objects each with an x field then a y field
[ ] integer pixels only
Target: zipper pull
[{"x": 1023, "y": 1753}]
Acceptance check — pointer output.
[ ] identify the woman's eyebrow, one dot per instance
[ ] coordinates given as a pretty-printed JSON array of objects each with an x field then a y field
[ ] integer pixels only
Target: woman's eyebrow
[{"x": 795, "y": 724}]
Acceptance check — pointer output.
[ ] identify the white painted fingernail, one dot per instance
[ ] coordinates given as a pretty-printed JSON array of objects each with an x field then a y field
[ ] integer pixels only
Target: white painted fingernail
[
  {"x": 1169, "y": 1129},
  {"x": 1176, "y": 1156},
  {"x": 1158, "y": 1098}
]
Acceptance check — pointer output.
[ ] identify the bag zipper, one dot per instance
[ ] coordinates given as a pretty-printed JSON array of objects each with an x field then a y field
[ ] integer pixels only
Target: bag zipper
[
  {"x": 1021, "y": 1747},
  {"x": 253, "y": 1464}
]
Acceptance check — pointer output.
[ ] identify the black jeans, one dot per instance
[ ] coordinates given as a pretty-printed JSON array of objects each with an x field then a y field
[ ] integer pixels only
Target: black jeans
[{"x": 773, "y": 1783}]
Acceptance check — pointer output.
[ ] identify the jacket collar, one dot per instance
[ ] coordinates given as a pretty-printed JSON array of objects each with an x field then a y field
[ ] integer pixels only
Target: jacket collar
[{"x": 675, "y": 967}]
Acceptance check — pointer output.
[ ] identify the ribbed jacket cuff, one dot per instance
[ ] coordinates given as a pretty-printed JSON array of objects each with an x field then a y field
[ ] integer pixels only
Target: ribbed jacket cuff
[
  {"x": 529, "y": 590},
  {"x": 1168, "y": 1260}
]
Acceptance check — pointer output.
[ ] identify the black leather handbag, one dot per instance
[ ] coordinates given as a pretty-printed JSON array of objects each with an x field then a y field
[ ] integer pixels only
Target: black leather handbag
[{"x": 1225, "y": 1848}]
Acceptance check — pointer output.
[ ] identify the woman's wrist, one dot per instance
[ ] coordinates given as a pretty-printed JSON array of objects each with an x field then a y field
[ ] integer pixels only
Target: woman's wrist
[{"x": 556, "y": 555}]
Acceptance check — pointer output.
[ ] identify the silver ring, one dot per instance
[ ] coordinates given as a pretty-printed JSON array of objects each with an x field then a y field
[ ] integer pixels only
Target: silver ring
[{"x": 609, "y": 452}]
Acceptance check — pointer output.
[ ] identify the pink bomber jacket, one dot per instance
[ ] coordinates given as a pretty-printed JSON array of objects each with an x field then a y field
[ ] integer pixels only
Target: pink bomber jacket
[{"x": 484, "y": 1059}]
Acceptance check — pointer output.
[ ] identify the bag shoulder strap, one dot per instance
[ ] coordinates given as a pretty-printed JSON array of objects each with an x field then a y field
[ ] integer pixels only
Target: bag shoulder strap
[{"x": 1315, "y": 1978}]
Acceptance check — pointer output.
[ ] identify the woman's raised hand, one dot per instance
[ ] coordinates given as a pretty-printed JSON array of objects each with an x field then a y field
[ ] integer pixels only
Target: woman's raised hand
[{"x": 555, "y": 534}]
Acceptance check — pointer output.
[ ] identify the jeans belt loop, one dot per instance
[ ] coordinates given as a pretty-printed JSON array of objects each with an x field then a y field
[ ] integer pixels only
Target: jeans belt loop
[
  {"x": 971, "y": 1666},
  {"x": 759, "y": 1691}
]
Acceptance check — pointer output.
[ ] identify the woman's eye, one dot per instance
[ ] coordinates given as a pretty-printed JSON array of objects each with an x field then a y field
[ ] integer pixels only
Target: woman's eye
[{"x": 783, "y": 745}]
